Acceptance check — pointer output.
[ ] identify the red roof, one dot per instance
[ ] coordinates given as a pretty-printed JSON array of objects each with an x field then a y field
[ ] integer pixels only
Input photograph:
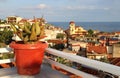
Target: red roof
[
  {"x": 117, "y": 32},
  {"x": 38, "y": 19},
  {"x": 115, "y": 61},
  {"x": 71, "y": 22},
  {"x": 97, "y": 49},
  {"x": 57, "y": 41}
]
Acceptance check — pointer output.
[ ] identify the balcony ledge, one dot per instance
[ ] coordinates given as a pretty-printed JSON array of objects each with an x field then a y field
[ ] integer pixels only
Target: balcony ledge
[{"x": 46, "y": 72}]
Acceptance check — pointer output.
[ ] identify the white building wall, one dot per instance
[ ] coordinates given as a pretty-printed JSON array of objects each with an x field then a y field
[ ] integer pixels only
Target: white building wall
[
  {"x": 75, "y": 48},
  {"x": 51, "y": 34},
  {"x": 109, "y": 49},
  {"x": 18, "y": 19}
]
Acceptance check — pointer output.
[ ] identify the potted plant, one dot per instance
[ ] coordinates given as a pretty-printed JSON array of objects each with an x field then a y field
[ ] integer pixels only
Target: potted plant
[{"x": 29, "y": 51}]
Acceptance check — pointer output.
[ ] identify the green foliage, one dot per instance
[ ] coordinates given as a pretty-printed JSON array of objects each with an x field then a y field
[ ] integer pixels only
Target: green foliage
[
  {"x": 30, "y": 33},
  {"x": 103, "y": 60},
  {"x": 59, "y": 46},
  {"x": 60, "y": 36},
  {"x": 6, "y": 55},
  {"x": 2, "y": 45},
  {"x": 6, "y": 36},
  {"x": 90, "y": 32},
  {"x": 3, "y": 21},
  {"x": 64, "y": 61},
  {"x": 47, "y": 25}
]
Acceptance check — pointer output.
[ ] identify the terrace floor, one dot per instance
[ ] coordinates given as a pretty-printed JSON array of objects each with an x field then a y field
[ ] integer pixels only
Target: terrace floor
[{"x": 46, "y": 72}]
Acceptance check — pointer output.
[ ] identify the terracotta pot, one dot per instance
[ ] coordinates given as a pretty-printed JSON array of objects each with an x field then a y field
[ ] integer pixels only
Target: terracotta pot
[{"x": 28, "y": 57}]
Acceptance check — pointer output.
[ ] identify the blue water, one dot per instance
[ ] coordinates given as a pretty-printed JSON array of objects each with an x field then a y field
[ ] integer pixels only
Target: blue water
[{"x": 102, "y": 26}]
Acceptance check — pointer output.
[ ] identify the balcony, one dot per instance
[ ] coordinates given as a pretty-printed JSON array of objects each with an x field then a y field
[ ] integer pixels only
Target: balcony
[{"x": 107, "y": 70}]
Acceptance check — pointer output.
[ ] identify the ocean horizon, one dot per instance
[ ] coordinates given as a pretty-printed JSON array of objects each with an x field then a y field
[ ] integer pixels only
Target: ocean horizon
[{"x": 101, "y": 26}]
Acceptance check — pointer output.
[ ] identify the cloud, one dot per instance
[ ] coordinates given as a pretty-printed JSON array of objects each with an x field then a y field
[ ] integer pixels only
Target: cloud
[
  {"x": 42, "y": 6},
  {"x": 86, "y": 8},
  {"x": 106, "y": 8}
]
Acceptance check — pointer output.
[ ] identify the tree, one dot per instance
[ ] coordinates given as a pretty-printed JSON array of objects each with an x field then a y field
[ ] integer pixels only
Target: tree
[
  {"x": 60, "y": 36},
  {"x": 90, "y": 32},
  {"x": 6, "y": 36},
  {"x": 3, "y": 21},
  {"x": 59, "y": 46}
]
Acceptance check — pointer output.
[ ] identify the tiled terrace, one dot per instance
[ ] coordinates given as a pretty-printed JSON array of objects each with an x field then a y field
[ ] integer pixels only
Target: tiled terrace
[{"x": 48, "y": 72}]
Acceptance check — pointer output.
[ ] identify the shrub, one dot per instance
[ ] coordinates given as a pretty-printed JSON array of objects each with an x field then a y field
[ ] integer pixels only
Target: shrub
[{"x": 6, "y": 36}]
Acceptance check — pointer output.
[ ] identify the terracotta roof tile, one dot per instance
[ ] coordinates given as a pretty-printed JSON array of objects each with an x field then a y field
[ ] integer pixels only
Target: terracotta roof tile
[
  {"x": 97, "y": 49},
  {"x": 57, "y": 41},
  {"x": 115, "y": 61}
]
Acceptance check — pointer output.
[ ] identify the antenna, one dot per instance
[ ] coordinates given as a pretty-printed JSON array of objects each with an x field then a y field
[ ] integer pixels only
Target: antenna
[{"x": 42, "y": 15}]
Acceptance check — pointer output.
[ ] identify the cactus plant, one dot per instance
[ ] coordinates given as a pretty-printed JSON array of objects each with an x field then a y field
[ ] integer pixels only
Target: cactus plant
[{"x": 29, "y": 33}]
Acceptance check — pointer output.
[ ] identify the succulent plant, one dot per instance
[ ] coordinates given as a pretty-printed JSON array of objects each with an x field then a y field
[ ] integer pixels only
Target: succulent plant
[{"x": 29, "y": 33}]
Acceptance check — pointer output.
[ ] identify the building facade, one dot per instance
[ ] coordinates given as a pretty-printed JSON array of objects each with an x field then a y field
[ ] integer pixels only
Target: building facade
[
  {"x": 13, "y": 19},
  {"x": 76, "y": 30}
]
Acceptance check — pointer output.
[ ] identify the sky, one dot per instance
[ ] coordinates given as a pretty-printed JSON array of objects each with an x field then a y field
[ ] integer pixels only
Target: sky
[{"x": 63, "y": 10}]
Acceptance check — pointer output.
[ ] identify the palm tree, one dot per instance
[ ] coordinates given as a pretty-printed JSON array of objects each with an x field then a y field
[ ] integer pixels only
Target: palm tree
[{"x": 90, "y": 32}]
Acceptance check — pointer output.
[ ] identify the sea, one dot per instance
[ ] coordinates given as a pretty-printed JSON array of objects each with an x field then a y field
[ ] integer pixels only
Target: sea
[{"x": 101, "y": 26}]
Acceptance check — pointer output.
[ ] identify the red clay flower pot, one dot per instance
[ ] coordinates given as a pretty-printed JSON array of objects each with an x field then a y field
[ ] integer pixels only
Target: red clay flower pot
[{"x": 28, "y": 57}]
